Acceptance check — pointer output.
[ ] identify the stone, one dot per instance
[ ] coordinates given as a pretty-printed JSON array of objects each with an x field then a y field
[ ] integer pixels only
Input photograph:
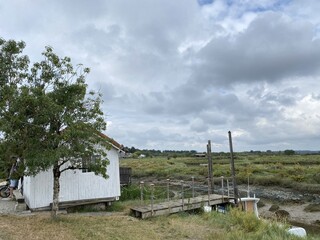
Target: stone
[
  {"x": 282, "y": 214},
  {"x": 274, "y": 208}
]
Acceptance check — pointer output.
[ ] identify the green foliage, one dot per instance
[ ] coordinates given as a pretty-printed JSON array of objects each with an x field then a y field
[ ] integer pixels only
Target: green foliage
[
  {"x": 241, "y": 225},
  {"x": 131, "y": 192},
  {"x": 158, "y": 153},
  {"x": 247, "y": 222},
  {"x": 13, "y": 69},
  {"x": 299, "y": 172},
  {"x": 47, "y": 115},
  {"x": 289, "y": 152},
  {"x": 316, "y": 178},
  {"x": 116, "y": 207}
]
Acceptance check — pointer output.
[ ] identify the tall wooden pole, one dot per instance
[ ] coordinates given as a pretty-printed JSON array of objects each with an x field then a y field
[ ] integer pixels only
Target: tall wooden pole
[
  {"x": 235, "y": 188},
  {"x": 210, "y": 172}
]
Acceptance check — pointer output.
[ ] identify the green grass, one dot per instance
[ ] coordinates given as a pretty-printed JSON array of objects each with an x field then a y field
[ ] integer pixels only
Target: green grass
[{"x": 300, "y": 172}]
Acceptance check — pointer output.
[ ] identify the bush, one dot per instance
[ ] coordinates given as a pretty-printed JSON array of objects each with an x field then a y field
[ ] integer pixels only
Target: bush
[
  {"x": 267, "y": 181},
  {"x": 274, "y": 208},
  {"x": 305, "y": 187},
  {"x": 312, "y": 208},
  {"x": 115, "y": 207},
  {"x": 316, "y": 178},
  {"x": 131, "y": 192},
  {"x": 248, "y": 222},
  {"x": 298, "y": 178}
]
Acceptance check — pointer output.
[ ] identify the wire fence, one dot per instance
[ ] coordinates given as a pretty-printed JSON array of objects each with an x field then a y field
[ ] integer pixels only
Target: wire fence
[{"x": 172, "y": 189}]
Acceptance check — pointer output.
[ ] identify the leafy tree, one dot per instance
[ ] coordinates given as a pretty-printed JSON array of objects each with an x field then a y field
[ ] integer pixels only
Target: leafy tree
[
  {"x": 13, "y": 71},
  {"x": 55, "y": 120},
  {"x": 289, "y": 152}
]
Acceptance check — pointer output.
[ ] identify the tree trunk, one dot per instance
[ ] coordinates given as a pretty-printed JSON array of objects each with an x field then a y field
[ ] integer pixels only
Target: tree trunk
[{"x": 56, "y": 190}]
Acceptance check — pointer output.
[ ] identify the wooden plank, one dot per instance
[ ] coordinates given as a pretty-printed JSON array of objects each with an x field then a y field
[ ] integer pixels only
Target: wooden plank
[
  {"x": 175, "y": 206},
  {"x": 18, "y": 196},
  {"x": 67, "y": 204}
]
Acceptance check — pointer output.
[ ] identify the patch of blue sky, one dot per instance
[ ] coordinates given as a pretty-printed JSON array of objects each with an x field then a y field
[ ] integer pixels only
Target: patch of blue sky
[
  {"x": 273, "y": 6},
  {"x": 281, "y": 3},
  {"x": 204, "y": 2},
  {"x": 316, "y": 33},
  {"x": 229, "y": 2}
]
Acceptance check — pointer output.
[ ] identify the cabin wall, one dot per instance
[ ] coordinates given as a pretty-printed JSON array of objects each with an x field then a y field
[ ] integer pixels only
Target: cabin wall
[{"x": 74, "y": 185}]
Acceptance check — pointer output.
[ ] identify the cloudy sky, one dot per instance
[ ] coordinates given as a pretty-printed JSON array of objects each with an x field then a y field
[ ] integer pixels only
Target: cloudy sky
[{"x": 177, "y": 73}]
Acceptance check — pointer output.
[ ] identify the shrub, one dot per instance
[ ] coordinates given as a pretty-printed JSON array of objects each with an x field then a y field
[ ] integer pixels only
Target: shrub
[
  {"x": 274, "y": 208},
  {"x": 305, "y": 187},
  {"x": 298, "y": 178},
  {"x": 130, "y": 193},
  {"x": 316, "y": 178},
  {"x": 248, "y": 222},
  {"x": 289, "y": 152},
  {"x": 267, "y": 181},
  {"x": 312, "y": 208}
]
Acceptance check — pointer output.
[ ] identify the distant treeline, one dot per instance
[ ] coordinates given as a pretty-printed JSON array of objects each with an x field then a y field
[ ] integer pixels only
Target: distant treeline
[{"x": 135, "y": 152}]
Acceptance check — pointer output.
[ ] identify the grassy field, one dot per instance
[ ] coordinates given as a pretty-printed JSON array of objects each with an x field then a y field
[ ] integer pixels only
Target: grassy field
[
  {"x": 301, "y": 172},
  {"x": 296, "y": 171},
  {"x": 235, "y": 225}
]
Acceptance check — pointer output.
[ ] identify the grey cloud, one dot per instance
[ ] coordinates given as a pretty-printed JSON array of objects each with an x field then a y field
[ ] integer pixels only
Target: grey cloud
[
  {"x": 154, "y": 104},
  {"x": 271, "y": 49},
  {"x": 81, "y": 9},
  {"x": 198, "y": 125},
  {"x": 284, "y": 97},
  {"x": 98, "y": 41},
  {"x": 153, "y": 137},
  {"x": 316, "y": 96},
  {"x": 280, "y": 99},
  {"x": 214, "y": 117},
  {"x": 108, "y": 91}
]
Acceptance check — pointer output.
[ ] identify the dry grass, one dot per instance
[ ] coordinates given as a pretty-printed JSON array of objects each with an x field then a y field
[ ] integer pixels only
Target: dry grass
[
  {"x": 33, "y": 227},
  {"x": 119, "y": 226},
  {"x": 76, "y": 226}
]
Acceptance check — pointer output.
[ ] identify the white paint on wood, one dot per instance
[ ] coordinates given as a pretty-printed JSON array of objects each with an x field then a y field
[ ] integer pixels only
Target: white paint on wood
[{"x": 74, "y": 185}]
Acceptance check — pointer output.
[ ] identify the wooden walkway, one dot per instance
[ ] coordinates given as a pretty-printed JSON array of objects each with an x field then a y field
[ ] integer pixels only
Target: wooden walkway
[{"x": 180, "y": 205}]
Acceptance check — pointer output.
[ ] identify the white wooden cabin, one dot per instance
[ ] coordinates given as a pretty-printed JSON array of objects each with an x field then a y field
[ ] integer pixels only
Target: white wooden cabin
[{"x": 76, "y": 186}]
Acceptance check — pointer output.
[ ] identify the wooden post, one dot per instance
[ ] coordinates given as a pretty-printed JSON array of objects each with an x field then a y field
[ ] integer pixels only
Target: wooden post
[
  {"x": 182, "y": 194},
  {"x": 209, "y": 192},
  {"x": 228, "y": 191},
  {"x": 192, "y": 186},
  {"x": 152, "y": 188},
  {"x": 248, "y": 194},
  {"x": 141, "y": 191},
  {"x": 235, "y": 188},
  {"x": 210, "y": 173},
  {"x": 222, "y": 187},
  {"x": 168, "y": 189}
]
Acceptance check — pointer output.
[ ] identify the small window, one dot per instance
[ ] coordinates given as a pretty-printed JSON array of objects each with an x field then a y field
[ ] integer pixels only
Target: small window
[{"x": 87, "y": 162}]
